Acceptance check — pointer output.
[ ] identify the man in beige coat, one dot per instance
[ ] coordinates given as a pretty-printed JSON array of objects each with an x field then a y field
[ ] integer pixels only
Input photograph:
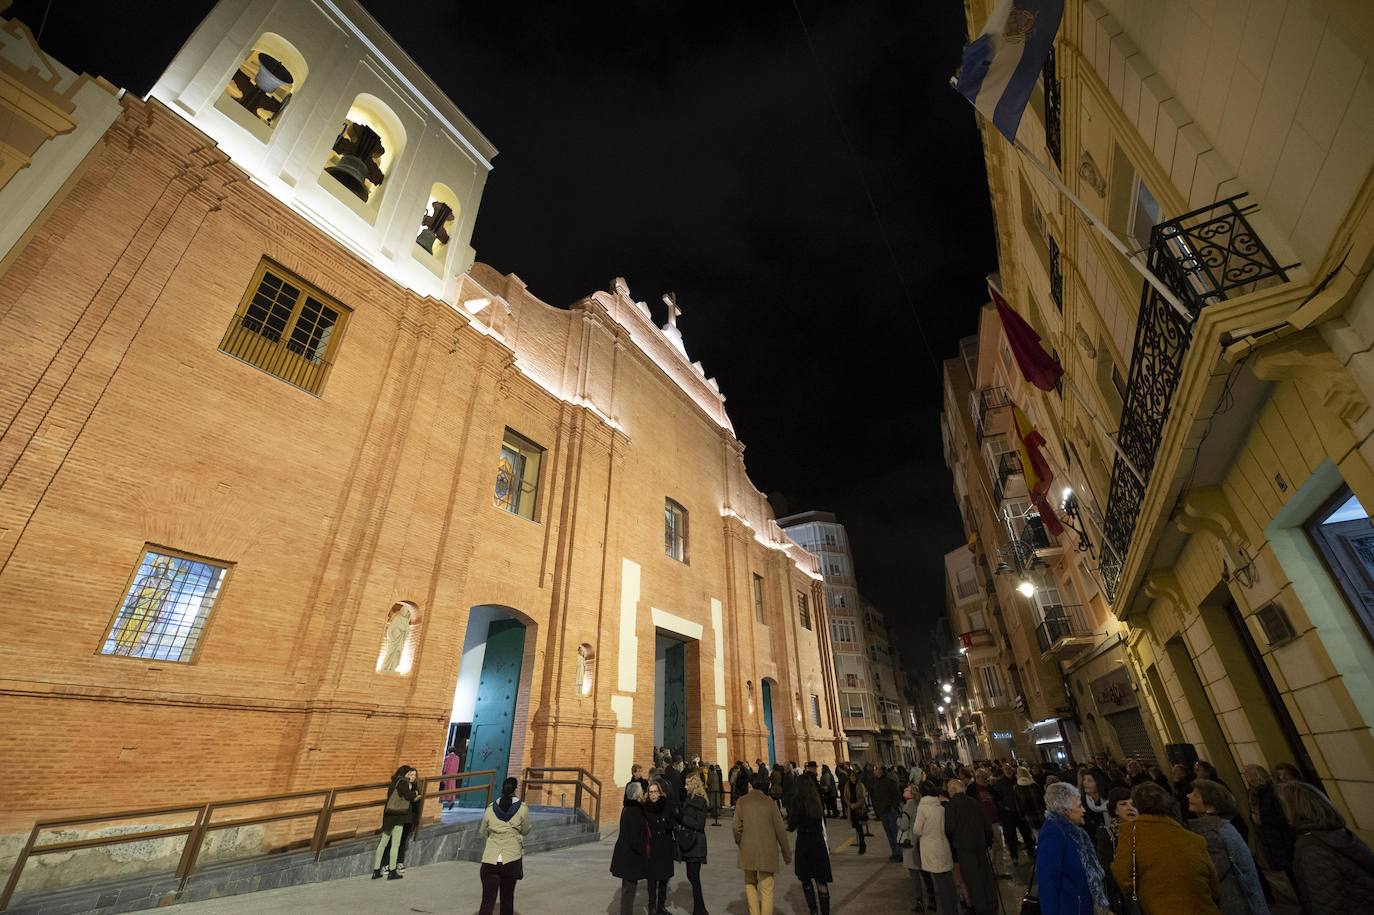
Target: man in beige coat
[{"x": 760, "y": 834}]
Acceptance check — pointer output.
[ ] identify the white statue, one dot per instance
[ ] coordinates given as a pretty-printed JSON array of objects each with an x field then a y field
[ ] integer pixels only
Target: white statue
[{"x": 394, "y": 641}]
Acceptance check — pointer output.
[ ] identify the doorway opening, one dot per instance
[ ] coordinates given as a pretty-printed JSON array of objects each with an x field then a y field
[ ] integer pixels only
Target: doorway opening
[
  {"x": 773, "y": 721},
  {"x": 674, "y": 708},
  {"x": 491, "y": 679},
  {"x": 1269, "y": 717}
]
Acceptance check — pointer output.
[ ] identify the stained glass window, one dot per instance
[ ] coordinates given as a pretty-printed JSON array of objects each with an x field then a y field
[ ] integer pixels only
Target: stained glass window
[
  {"x": 165, "y": 610},
  {"x": 517, "y": 475}
]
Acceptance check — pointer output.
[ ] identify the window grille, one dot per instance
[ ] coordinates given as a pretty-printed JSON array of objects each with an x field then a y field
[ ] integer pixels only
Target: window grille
[
  {"x": 286, "y": 328},
  {"x": 517, "y": 475},
  {"x": 758, "y": 597},
  {"x": 803, "y": 610},
  {"x": 674, "y": 530},
  {"x": 166, "y": 607},
  {"x": 815, "y": 710}
]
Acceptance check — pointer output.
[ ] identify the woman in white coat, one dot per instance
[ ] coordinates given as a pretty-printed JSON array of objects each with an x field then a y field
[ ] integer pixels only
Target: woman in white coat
[{"x": 936, "y": 857}]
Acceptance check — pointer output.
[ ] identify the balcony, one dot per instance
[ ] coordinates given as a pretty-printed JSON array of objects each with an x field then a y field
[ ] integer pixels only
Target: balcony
[
  {"x": 991, "y": 409},
  {"x": 1008, "y": 466},
  {"x": 1034, "y": 535},
  {"x": 1204, "y": 257},
  {"x": 1056, "y": 274},
  {"x": 1053, "y": 131},
  {"x": 1064, "y": 633},
  {"x": 978, "y": 640}
]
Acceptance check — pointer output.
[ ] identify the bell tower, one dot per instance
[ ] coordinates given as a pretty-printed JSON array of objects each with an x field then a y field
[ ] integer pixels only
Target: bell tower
[{"x": 323, "y": 109}]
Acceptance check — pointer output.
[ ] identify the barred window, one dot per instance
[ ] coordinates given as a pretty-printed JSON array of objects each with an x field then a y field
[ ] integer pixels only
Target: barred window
[
  {"x": 758, "y": 597},
  {"x": 286, "y": 328},
  {"x": 815, "y": 710},
  {"x": 517, "y": 475},
  {"x": 674, "y": 530},
  {"x": 166, "y": 606},
  {"x": 803, "y": 610}
]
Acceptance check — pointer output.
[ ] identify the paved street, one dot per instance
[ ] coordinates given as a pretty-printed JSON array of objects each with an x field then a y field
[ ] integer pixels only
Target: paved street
[{"x": 577, "y": 880}]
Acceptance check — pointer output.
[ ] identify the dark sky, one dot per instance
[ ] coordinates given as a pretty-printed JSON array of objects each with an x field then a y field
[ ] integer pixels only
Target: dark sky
[{"x": 699, "y": 148}]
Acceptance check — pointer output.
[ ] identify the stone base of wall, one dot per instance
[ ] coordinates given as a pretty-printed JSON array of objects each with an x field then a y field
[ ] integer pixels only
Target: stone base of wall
[{"x": 554, "y": 827}]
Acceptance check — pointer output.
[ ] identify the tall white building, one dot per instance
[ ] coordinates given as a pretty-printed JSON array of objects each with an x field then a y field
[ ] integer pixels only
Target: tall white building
[{"x": 867, "y": 670}]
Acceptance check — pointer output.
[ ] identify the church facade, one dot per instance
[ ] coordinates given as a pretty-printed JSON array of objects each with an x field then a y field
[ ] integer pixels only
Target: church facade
[{"x": 293, "y": 491}]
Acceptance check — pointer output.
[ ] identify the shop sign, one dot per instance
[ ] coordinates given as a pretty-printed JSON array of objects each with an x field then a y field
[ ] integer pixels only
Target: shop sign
[
  {"x": 1001, "y": 735},
  {"x": 1047, "y": 732},
  {"x": 1114, "y": 692}
]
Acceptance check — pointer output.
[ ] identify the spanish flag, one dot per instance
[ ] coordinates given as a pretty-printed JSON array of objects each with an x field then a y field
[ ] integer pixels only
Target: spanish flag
[{"x": 1033, "y": 464}]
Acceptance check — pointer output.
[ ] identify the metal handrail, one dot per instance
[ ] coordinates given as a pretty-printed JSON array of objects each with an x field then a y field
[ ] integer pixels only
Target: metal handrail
[
  {"x": 584, "y": 781},
  {"x": 196, "y": 832}
]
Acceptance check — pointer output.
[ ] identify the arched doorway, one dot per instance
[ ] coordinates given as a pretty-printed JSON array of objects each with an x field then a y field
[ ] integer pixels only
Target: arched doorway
[
  {"x": 491, "y": 677},
  {"x": 772, "y": 722}
]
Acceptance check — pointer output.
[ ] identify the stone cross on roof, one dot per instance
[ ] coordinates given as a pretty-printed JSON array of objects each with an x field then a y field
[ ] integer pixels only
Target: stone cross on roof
[{"x": 673, "y": 310}]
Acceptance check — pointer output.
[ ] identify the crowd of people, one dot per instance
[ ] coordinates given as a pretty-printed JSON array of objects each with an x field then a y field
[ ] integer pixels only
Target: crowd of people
[
  {"x": 1127, "y": 839},
  {"x": 1101, "y": 837}
]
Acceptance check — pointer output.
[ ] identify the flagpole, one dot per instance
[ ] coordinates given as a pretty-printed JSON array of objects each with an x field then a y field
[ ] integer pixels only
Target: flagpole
[
  {"x": 1116, "y": 448},
  {"x": 1135, "y": 259}
]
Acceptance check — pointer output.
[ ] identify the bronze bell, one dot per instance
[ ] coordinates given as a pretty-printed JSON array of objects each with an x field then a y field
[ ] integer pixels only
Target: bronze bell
[
  {"x": 358, "y": 147},
  {"x": 434, "y": 226},
  {"x": 272, "y": 74}
]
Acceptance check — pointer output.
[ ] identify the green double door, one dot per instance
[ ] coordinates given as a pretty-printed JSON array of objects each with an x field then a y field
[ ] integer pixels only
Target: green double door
[
  {"x": 493, "y": 718},
  {"x": 675, "y": 698}
]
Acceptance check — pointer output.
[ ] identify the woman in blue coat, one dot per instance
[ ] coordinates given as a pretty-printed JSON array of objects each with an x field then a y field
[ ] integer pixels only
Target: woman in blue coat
[{"x": 1067, "y": 870}]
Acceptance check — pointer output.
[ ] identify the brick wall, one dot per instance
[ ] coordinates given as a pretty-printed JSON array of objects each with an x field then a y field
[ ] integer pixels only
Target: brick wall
[{"x": 125, "y": 425}]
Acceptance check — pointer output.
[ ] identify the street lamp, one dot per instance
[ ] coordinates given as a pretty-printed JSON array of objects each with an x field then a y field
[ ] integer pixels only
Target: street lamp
[
  {"x": 1026, "y": 587},
  {"x": 948, "y": 687}
]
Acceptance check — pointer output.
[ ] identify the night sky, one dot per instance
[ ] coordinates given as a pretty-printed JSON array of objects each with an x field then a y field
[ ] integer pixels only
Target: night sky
[{"x": 713, "y": 151}]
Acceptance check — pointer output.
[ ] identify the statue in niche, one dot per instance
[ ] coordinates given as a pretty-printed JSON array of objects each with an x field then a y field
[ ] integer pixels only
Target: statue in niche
[{"x": 394, "y": 640}]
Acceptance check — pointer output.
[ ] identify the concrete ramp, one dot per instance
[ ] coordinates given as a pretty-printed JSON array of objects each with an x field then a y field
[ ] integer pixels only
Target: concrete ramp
[{"x": 453, "y": 838}]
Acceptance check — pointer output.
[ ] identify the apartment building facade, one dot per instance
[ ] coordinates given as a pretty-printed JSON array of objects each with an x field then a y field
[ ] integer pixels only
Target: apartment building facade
[
  {"x": 868, "y": 673},
  {"x": 1218, "y": 453}
]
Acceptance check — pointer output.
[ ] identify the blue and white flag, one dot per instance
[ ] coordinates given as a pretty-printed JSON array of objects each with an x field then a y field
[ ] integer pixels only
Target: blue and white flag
[{"x": 1001, "y": 65}]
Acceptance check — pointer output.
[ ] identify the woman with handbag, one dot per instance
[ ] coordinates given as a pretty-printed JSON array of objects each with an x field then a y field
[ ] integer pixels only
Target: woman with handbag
[
  {"x": 396, "y": 815},
  {"x": 911, "y": 851},
  {"x": 630, "y": 858},
  {"x": 937, "y": 858},
  {"x": 1119, "y": 811},
  {"x": 662, "y": 822},
  {"x": 811, "y": 861},
  {"x": 1237, "y": 877},
  {"x": 1067, "y": 868},
  {"x": 691, "y": 839},
  {"x": 1159, "y": 864},
  {"x": 856, "y": 799}
]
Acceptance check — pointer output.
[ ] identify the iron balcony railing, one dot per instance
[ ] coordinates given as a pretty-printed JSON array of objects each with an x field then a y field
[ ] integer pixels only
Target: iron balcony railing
[
  {"x": 1061, "y": 622},
  {"x": 1034, "y": 535},
  {"x": 1206, "y": 256},
  {"x": 292, "y": 361},
  {"x": 1053, "y": 131},
  {"x": 1056, "y": 274},
  {"x": 983, "y": 402},
  {"x": 1008, "y": 465}
]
